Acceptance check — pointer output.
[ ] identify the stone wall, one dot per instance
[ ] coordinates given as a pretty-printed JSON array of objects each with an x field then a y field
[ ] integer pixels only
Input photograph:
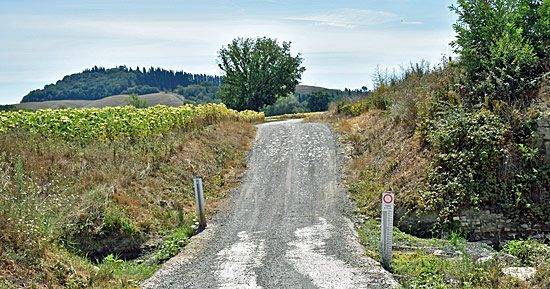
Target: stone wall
[
  {"x": 490, "y": 226},
  {"x": 543, "y": 135},
  {"x": 494, "y": 227},
  {"x": 542, "y": 104}
]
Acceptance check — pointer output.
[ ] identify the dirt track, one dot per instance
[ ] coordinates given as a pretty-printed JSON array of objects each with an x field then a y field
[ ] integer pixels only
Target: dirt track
[{"x": 286, "y": 225}]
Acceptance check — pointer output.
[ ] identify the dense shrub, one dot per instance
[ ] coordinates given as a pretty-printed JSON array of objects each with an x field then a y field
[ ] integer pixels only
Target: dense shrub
[
  {"x": 467, "y": 148},
  {"x": 499, "y": 41},
  {"x": 318, "y": 101},
  {"x": 355, "y": 108},
  {"x": 478, "y": 159},
  {"x": 286, "y": 105},
  {"x": 529, "y": 252},
  {"x": 140, "y": 89}
]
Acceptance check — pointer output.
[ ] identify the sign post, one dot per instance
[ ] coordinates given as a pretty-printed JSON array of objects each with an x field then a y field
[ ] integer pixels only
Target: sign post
[
  {"x": 199, "y": 196},
  {"x": 386, "y": 229}
]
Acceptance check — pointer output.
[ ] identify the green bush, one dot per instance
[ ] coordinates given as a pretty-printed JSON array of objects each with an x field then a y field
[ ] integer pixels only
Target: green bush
[
  {"x": 499, "y": 41},
  {"x": 524, "y": 189},
  {"x": 356, "y": 108},
  {"x": 136, "y": 101},
  {"x": 528, "y": 251},
  {"x": 318, "y": 101},
  {"x": 114, "y": 222},
  {"x": 286, "y": 105},
  {"x": 467, "y": 148},
  {"x": 140, "y": 89},
  {"x": 173, "y": 244}
]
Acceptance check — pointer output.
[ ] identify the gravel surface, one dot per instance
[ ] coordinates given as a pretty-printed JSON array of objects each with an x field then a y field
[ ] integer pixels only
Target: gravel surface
[{"x": 285, "y": 226}]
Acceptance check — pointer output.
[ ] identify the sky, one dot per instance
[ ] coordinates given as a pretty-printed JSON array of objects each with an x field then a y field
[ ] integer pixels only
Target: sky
[{"x": 342, "y": 42}]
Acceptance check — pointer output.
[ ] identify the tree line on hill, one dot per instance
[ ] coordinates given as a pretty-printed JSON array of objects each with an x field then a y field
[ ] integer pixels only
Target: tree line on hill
[
  {"x": 99, "y": 82},
  {"x": 317, "y": 100}
]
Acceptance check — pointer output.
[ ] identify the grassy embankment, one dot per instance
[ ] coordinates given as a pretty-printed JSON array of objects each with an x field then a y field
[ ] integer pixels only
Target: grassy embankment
[
  {"x": 415, "y": 136},
  {"x": 76, "y": 213}
]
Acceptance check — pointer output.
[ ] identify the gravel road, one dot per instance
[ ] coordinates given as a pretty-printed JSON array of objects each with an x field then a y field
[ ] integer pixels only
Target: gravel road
[{"x": 285, "y": 226}]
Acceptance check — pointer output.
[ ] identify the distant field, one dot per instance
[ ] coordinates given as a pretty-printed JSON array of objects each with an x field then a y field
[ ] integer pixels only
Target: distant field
[
  {"x": 307, "y": 89},
  {"x": 168, "y": 99}
]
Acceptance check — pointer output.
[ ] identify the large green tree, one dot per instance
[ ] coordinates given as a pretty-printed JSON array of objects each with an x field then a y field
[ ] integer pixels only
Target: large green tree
[
  {"x": 500, "y": 43},
  {"x": 318, "y": 101},
  {"x": 257, "y": 72}
]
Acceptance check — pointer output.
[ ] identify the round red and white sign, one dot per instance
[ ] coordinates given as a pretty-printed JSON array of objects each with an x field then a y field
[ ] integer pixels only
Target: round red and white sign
[{"x": 388, "y": 199}]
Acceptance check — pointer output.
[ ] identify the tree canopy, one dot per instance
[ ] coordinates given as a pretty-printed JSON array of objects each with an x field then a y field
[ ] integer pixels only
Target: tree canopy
[
  {"x": 318, "y": 101},
  {"x": 136, "y": 101},
  {"x": 257, "y": 72},
  {"x": 502, "y": 44}
]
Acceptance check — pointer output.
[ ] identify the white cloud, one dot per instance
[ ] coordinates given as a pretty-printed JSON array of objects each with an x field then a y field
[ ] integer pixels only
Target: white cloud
[
  {"x": 349, "y": 18},
  {"x": 46, "y": 48}
]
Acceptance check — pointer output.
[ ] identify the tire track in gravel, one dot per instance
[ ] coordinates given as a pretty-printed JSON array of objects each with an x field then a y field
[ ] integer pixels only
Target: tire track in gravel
[{"x": 286, "y": 225}]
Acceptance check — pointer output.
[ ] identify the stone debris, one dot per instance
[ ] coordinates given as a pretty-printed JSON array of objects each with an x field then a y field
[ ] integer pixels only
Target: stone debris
[{"x": 522, "y": 273}]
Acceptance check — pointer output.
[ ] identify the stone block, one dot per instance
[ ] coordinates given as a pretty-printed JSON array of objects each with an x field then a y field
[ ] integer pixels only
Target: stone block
[
  {"x": 522, "y": 273},
  {"x": 490, "y": 229}
]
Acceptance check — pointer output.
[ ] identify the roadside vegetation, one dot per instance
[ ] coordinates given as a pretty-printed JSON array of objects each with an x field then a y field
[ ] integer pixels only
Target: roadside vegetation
[
  {"x": 461, "y": 134},
  {"x": 93, "y": 199},
  {"x": 453, "y": 262},
  {"x": 311, "y": 101}
]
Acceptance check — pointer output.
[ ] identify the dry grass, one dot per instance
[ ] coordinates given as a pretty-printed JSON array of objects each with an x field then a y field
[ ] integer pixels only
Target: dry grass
[
  {"x": 61, "y": 201},
  {"x": 385, "y": 157},
  {"x": 386, "y": 154}
]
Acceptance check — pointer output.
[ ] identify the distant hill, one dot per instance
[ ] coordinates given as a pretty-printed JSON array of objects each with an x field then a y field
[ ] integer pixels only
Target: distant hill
[
  {"x": 168, "y": 99},
  {"x": 307, "y": 89},
  {"x": 163, "y": 98},
  {"x": 100, "y": 87},
  {"x": 99, "y": 82},
  {"x": 84, "y": 88},
  {"x": 193, "y": 94}
]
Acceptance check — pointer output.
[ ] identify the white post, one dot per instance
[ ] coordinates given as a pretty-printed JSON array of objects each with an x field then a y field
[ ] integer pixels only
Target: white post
[
  {"x": 199, "y": 196},
  {"x": 386, "y": 229}
]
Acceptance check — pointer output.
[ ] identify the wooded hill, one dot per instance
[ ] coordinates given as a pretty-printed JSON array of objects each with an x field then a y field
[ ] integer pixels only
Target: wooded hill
[
  {"x": 84, "y": 89},
  {"x": 99, "y": 82}
]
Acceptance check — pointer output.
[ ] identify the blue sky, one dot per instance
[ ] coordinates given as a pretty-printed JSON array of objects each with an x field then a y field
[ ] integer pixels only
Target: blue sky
[{"x": 341, "y": 42}]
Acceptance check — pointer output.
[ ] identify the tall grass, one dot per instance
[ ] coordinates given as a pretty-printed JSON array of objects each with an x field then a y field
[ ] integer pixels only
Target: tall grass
[
  {"x": 414, "y": 136},
  {"x": 66, "y": 207}
]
